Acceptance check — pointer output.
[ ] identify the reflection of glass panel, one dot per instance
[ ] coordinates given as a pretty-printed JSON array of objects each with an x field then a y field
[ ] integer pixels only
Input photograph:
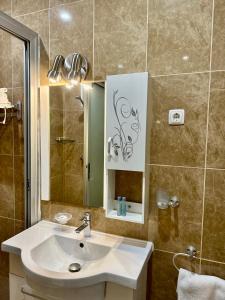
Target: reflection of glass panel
[
  {"x": 95, "y": 146},
  {"x": 71, "y": 181},
  {"x": 11, "y": 146}
]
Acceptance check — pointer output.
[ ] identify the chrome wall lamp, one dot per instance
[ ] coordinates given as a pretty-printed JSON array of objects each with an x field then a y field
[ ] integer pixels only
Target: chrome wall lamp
[{"x": 73, "y": 69}]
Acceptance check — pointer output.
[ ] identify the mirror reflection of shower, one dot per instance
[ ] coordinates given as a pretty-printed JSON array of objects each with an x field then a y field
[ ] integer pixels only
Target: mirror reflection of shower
[{"x": 80, "y": 99}]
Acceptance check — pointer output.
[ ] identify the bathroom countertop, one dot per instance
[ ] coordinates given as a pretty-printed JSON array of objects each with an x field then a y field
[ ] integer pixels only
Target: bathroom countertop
[{"x": 122, "y": 265}]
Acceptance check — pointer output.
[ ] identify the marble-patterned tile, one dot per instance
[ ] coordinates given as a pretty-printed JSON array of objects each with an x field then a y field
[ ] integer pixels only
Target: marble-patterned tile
[
  {"x": 45, "y": 209},
  {"x": 4, "y": 287},
  {"x": 163, "y": 276},
  {"x": 6, "y": 232},
  {"x": 99, "y": 222},
  {"x": 56, "y": 97},
  {"x": 5, "y": 59},
  {"x": 21, "y": 7},
  {"x": 61, "y": 2},
  {"x": 19, "y": 226},
  {"x": 71, "y": 30},
  {"x": 39, "y": 22},
  {"x": 216, "y": 132},
  {"x": 129, "y": 184},
  {"x": 56, "y": 125},
  {"x": 73, "y": 125},
  {"x": 173, "y": 229},
  {"x": 213, "y": 247},
  {"x": 74, "y": 189},
  {"x": 73, "y": 158},
  {"x": 56, "y": 188},
  {"x": 6, "y": 186},
  {"x": 19, "y": 187},
  {"x": 6, "y": 136},
  {"x": 5, "y": 6},
  {"x": 56, "y": 160},
  {"x": 120, "y": 37},
  {"x": 218, "y": 49},
  {"x": 213, "y": 269},
  {"x": 179, "y": 36},
  {"x": 17, "y": 63},
  {"x": 179, "y": 145}
]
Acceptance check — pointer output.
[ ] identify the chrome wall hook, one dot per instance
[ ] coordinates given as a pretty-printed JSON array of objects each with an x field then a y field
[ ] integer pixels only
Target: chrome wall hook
[{"x": 165, "y": 201}]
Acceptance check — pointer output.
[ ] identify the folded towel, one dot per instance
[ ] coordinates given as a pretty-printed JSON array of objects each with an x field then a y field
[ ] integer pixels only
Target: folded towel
[{"x": 191, "y": 286}]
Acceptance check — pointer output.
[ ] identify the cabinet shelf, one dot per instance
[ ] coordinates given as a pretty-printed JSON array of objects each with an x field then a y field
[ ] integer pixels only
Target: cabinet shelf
[{"x": 130, "y": 217}]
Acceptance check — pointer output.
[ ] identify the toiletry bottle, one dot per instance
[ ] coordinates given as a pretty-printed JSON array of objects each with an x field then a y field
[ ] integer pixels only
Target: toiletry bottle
[
  {"x": 119, "y": 206},
  {"x": 124, "y": 206}
]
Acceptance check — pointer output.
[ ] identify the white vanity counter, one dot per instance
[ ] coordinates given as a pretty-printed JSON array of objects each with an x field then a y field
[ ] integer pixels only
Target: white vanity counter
[{"x": 47, "y": 249}]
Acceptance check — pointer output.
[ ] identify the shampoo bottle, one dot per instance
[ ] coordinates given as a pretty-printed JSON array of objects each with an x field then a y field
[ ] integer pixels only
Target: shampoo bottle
[
  {"x": 124, "y": 206},
  {"x": 119, "y": 206}
]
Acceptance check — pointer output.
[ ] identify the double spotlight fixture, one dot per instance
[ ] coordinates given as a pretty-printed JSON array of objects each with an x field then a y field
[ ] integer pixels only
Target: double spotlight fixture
[{"x": 73, "y": 69}]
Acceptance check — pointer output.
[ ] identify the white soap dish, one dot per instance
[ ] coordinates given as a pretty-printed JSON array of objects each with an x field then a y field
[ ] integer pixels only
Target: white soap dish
[{"x": 63, "y": 218}]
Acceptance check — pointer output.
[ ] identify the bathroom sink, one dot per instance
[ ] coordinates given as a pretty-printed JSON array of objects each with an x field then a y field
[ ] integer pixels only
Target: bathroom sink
[
  {"x": 57, "y": 253},
  {"x": 47, "y": 251}
]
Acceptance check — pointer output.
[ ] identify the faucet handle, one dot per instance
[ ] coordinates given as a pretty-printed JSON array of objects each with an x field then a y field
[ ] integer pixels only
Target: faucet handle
[{"x": 86, "y": 217}]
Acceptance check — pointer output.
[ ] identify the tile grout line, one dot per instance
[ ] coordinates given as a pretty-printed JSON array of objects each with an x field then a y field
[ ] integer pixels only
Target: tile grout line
[
  {"x": 184, "y": 167},
  {"x": 205, "y": 259},
  {"x": 30, "y": 13},
  {"x": 49, "y": 37},
  {"x": 93, "y": 37},
  {"x": 147, "y": 40},
  {"x": 179, "y": 74},
  {"x": 13, "y": 144},
  {"x": 48, "y": 8},
  {"x": 174, "y": 166},
  {"x": 206, "y": 140}
]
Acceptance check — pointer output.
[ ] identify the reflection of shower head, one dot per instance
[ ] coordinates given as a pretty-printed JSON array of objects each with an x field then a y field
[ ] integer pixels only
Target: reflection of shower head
[{"x": 80, "y": 99}]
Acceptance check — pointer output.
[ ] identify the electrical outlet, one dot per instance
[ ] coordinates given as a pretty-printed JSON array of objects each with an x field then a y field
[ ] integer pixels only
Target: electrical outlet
[{"x": 176, "y": 117}]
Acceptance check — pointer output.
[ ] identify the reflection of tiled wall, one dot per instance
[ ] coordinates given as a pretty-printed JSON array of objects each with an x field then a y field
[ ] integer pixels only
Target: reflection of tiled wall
[
  {"x": 171, "y": 40},
  {"x": 66, "y": 120},
  {"x": 11, "y": 152}
]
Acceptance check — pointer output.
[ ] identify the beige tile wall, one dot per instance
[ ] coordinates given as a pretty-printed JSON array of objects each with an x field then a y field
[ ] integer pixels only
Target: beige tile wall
[{"x": 176, "y": 42}]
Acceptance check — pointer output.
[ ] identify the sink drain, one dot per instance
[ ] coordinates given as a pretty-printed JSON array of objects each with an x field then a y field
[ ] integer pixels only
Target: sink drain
[{"x": 74, "y": 267}]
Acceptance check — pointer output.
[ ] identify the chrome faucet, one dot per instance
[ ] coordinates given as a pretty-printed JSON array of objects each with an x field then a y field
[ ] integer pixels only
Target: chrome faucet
[{"x": 86, "y": 225}]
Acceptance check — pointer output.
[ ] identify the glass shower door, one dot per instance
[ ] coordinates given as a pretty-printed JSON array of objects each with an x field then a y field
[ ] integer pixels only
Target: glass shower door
[{"x": 12, "y": 194}]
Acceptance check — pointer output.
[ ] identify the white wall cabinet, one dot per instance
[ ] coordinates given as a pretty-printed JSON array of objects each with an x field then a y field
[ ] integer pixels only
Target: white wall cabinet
[
  {"x": 126, "y": 139},
  {"x": 126, "y": 121}
]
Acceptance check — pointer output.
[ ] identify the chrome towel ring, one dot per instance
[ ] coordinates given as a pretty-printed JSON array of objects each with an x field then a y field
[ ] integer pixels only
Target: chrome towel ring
[{"x": 190, "y": 252}]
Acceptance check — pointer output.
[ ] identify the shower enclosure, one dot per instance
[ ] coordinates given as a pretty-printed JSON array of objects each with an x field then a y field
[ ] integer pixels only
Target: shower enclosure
[{"x": 19, "y": 164}]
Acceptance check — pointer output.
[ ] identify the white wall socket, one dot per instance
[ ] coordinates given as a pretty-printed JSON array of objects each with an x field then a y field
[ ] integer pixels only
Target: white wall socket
[{"x": 176, "y": 117}]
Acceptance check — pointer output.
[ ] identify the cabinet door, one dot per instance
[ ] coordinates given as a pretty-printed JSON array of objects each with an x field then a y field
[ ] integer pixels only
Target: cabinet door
[
  {"x": 15, "y": 285},
  {"x": 125, "y": 121}
]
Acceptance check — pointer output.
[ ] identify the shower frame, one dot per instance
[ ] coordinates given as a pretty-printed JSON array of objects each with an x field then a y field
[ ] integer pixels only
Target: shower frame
[{"x": 31, "y": 115}]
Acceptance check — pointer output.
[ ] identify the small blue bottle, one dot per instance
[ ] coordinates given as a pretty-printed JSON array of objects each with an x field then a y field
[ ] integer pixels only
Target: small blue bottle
[
  {"x": 119, "y": 206},
  {"x": 124, "y": 206}
]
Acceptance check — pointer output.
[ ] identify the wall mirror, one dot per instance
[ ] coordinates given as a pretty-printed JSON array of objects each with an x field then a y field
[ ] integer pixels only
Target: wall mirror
[{"x": 77, "y": 144}]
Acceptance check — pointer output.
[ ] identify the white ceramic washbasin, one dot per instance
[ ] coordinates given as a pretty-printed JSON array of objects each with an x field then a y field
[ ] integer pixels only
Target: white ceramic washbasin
[
  {"x": 58, "y": 252},
  {"x": 47, "y": 250}
]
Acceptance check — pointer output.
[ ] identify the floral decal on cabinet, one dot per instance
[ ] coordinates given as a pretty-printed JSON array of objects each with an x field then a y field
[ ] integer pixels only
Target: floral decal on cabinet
[{"x": 127, "y": 129}]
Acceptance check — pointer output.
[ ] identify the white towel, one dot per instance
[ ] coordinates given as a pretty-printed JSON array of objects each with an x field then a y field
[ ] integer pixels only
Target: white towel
[{"x": 191, "y": 286}]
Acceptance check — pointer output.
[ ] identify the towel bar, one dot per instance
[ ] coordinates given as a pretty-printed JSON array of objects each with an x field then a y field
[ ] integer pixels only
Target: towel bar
[{"x": 190, "y": 252}]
